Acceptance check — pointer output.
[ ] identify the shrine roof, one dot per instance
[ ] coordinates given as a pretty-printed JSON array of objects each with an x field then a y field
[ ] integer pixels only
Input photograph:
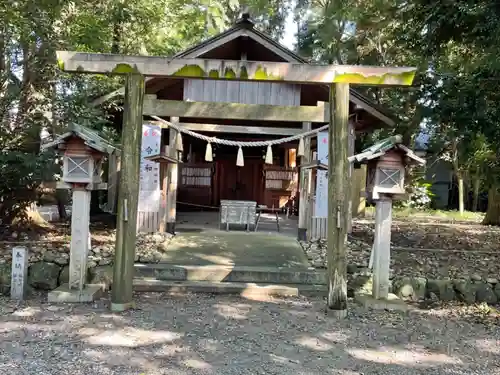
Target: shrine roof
[{"x": 89, "y": 136}]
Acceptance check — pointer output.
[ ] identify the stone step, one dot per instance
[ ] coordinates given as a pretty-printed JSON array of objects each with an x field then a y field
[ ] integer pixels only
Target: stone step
[
  {"x": 254, "y": 290},
  {"x": 238, "y": 274}
]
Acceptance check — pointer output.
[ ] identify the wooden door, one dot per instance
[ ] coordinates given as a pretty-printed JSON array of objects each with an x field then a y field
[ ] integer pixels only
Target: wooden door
[
  {"x": 245, "y": 182},
  {"x": 226, "y": 179},
  {"x": 240, "y": 183}
]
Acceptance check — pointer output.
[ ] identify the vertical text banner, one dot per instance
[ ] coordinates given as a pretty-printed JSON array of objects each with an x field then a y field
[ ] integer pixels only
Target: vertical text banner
[
  {"x": 321, "y": 203},
  {"x": 149, "y": 186}
]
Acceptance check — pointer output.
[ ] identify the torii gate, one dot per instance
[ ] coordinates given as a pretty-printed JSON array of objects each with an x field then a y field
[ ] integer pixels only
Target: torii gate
[{"x": 136, "y": 68}]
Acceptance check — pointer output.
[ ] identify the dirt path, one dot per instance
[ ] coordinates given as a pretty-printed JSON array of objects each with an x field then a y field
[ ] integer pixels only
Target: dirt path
[{"x": 204, "y": 334}]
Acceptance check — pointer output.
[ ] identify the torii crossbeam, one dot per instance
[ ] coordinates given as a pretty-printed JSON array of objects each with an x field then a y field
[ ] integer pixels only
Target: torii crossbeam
[{"x": 98, "y": 63}]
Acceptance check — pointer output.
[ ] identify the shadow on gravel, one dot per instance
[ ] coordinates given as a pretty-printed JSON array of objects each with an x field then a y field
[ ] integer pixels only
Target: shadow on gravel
[{"x": 205, "y": 334}]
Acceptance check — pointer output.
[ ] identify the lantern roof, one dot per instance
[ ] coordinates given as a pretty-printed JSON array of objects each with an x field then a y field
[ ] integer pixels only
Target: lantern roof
[
  {"x": 91, "y": 138},
  {"x": 162, "y": 159},
  {"x": 315, "y": 164},
  {"x": 380, "y": 148}
]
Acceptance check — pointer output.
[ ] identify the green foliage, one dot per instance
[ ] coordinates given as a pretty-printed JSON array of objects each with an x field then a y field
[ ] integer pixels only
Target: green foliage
[
  {"x": 421, "y": 195},
  {"x": 35, "y": 96},
  {"x": 368, "y": 33},
  {"x": 461, "y": 41},
  {"x": 454, "y": 44},
  {"x": 21, "y": 174}
]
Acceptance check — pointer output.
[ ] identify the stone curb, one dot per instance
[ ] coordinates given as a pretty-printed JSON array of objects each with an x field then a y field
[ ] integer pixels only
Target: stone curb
[
  {"x": 47, "y": 276},
  {"x": 221, "y": 273}
]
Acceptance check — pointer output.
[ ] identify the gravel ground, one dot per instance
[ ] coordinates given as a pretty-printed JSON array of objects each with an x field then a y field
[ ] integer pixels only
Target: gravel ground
[
  {"x": 203, "y": 334},
  {"x": 434, "y": 234},
  {"x": 429, "y": 263},
  {"x": 432, "y": 248}
]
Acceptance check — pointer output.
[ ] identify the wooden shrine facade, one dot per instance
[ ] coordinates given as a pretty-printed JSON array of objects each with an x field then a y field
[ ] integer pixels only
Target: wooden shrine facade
[{"x": 203, "y": 185}]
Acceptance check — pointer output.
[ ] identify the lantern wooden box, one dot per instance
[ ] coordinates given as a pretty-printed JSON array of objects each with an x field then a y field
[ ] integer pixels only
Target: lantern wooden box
[
  {"x": 386, "y": 175},
  {"x": 83, "y": 153},
  {"x": 81, "y": 163},
  {"x": 386, "y": 161}
]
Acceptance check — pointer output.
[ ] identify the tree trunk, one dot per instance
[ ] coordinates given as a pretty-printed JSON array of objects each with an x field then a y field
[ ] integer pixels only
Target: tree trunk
[
  {"x": 458, "y": 175},
  {"x": 95, "y": 208},
  {"x": 460, "y": 181},
  {"x": 5, "y": 100},
  {"x": 493, "y": 213},
  {"x": 117, "y": 29},
  {"x": 3, "y": 62},
  {"x": 61, "y": 204},
  {"x": 475, "y": 193}
]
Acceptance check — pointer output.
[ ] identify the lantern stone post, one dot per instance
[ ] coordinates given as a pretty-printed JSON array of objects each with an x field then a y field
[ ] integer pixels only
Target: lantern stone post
[
  {"x": 382, "y": 248},
  {"x": 80, "y": 232},
  {"x": 82, "y": 160}
]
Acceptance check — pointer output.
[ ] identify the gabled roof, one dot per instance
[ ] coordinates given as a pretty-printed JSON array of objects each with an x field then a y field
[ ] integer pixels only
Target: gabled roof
[
  {"x": 245, "y": 27},
  {"x": 89, "y": 136},
  {"x": 381, "y": 147}
]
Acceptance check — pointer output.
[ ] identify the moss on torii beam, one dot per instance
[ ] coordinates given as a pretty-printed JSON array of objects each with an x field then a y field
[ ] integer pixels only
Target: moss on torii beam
[{"x": 97, "y": 63}]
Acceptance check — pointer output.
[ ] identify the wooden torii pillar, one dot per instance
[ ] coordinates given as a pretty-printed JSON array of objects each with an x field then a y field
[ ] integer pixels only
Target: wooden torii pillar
[{"x": 338, "y": 77}]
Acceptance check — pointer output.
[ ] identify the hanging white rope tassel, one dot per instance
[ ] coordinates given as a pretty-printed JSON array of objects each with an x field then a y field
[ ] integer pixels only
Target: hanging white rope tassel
[
  {"x": 300, "y": 150},
  {"x": 239, "y": 159},
  {"x": 269, "y": 155},
  {"x": 208, "y": 153},
  {"x": 178, "y": 142},
  {"x": 228, "y": 142}
]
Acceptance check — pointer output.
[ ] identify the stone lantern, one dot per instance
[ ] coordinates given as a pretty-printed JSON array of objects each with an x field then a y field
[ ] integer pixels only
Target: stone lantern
[
  {"x": 83, "y": 152},
  {"x": 387, "y": 161}
]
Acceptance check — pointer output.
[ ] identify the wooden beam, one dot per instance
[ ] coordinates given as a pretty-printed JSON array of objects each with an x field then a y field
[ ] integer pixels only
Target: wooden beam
[
  {"x": 173, "y": 175},
  {"x": 305, "y": 175},
  {"x": 128, "y": 195},
  {"x": 359, "y": 103},
  {"x": 351, "y": 136},
  {"x": 353, "y": 98},
  {"x": 164, "y": 194},
  {"x": 338, "y": 169},
  {"x": 358, "y": 193},
  {"x": 98, "y": 63},
  {"x": 113, "y": 176},
  {"x": 233, "y": 111}
]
